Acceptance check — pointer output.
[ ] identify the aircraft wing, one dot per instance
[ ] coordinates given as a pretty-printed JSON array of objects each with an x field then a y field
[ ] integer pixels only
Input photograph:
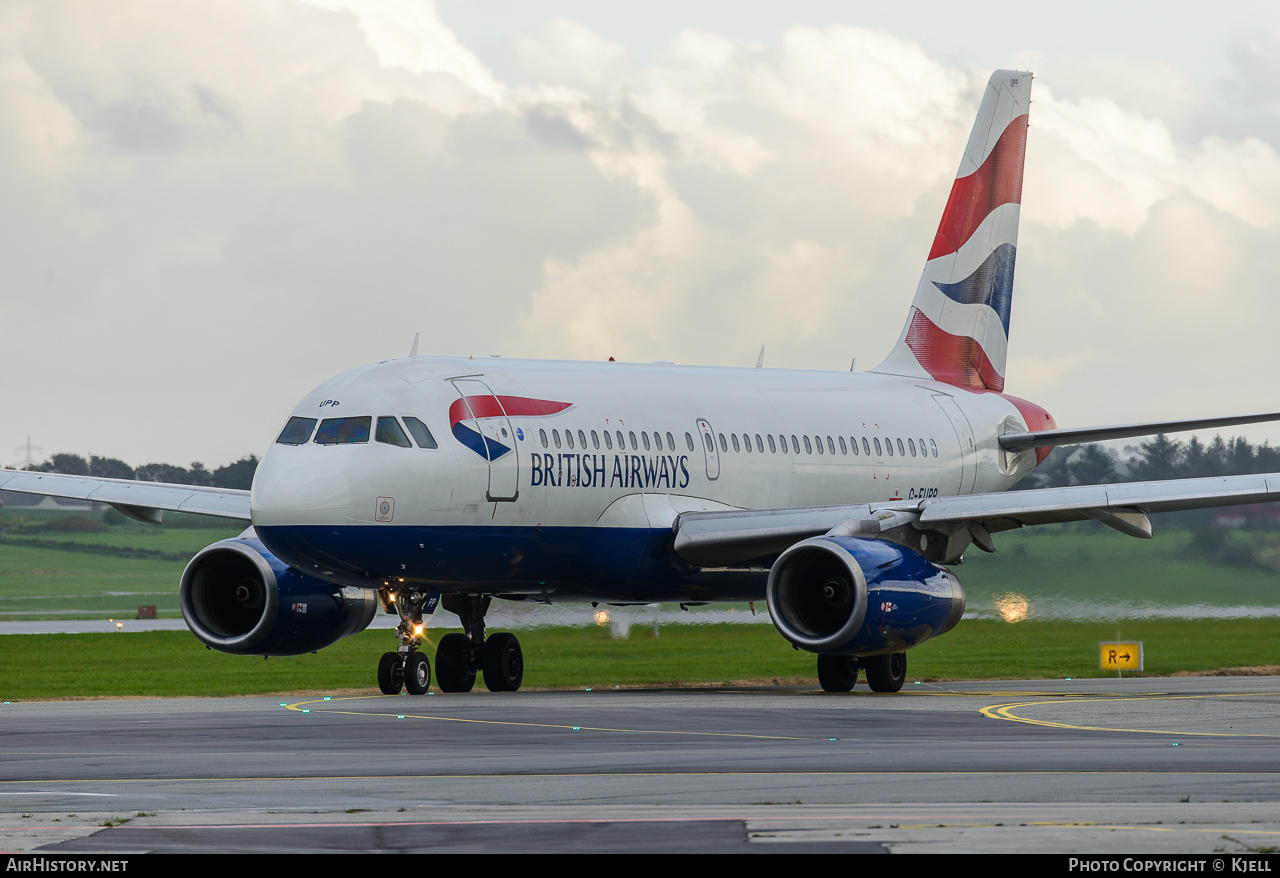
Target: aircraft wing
[
  {"x": 1081, "y": 435},
  {"x": 142, "y": 501},
  {"x": 721, "y": 538}
]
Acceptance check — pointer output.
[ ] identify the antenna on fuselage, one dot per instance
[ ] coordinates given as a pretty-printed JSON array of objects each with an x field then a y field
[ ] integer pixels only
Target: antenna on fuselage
[
  {"x": 853, "y": 365},
  {"x": 760, "y": 359},
  {"x": 413, "y": 351}
]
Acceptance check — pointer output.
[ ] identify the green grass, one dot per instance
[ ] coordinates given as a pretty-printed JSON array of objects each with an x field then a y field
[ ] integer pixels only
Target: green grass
[
  {"x": 169, "y": 663},
  {"x": 1098, "y": 567}
]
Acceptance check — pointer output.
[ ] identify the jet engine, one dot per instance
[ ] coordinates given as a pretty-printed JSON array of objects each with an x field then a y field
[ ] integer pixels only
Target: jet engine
[
  {"x": 237, "y": 597},
  {"x": 859, "y": 596}
]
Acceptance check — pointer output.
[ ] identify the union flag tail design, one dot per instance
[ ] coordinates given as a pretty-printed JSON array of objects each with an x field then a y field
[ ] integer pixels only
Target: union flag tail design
[{"x": 958, "y": 328}]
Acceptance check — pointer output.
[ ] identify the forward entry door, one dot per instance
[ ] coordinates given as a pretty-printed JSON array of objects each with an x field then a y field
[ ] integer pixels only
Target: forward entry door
[{"x": 496, "y": 440}]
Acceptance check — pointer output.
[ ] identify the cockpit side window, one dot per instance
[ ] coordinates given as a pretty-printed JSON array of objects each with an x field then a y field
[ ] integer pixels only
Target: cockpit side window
[
  {"x": 421, "y": 434},
  {"x": 344, "y": 431},
  {"x": 297, "y": 431},
  {"x": 390, "y": 432}
]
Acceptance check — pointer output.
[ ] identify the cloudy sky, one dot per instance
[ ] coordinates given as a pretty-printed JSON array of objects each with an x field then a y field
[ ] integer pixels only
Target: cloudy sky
[{"x": 208, "y": 208}]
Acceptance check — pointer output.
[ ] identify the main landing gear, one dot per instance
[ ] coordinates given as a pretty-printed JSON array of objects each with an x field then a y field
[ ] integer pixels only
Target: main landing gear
[
  {"x": 459, "y": 657},
  {"x": 885, "y": 673}
]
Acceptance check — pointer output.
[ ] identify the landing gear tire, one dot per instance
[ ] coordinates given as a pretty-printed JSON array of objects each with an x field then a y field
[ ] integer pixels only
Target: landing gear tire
[
  {"x": 503, "y": 663},
  {"x": 417, "y": 674},
  {"x": 390, "y": 673},
  {"x": 453, "y": 668},
  {"x": 839, "y": 673},
  {"x": 886, "y": 673}
]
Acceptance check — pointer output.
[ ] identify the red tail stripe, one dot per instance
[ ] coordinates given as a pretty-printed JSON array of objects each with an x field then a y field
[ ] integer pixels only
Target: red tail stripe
[
  {"x": 952, "y": 359},
  {"x": 997, "y": 182}
]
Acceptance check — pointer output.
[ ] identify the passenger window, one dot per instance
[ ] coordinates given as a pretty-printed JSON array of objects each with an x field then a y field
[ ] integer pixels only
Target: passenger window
[
  {"x": 297, "y": 431},
  {"x": 706, "y": 440},
  {"x": 844, "y": 449},
  {"x": 390, "y": 432},
  {"x": 773, "y": 448},
  {"x": 671, "y": 442},
  {"x": 344, "y": 431},
  {"x": 853, "y": 444},
  {"x": 657, "y": 440},
  {"x": 622, "y": 443},
  {"x": 645, "y": 437},
  {"x": 808, "y": 446},
  {"x": 888, "y": 447},
  {"x": 688, "y": 439},
  {"x": 934, "y": 447},
  {"x": 595, "y": 440},
  {"x": 724, "y": 446},
  {"x": 831, "y": 446},
  {"x": 543, "y": 435},
  {"x": 924, "y": 452},
  {"x": 423, "y": 437},
  {"x": 555, "y": 437},
  {"x": 901, "y": 451},
  {"x": 865, "y": 447},
  {"x": 879, "y": 450},
  {"x": 634, "y": 445},
  {"x": 582, "y": 440},
  {"x": 734, "y": 437},
  {"x": 608, "y": 440},
  {"x": 795, "y": 443},
  {"x": 568, "y": 438},
  {"x": 911, "y": 445},
  {"x": 746, "y": 440},
  {"x": 818, "y": 439}
]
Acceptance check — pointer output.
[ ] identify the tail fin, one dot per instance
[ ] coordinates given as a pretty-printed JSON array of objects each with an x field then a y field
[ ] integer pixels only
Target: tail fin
[{"x": 958, "y": 328}]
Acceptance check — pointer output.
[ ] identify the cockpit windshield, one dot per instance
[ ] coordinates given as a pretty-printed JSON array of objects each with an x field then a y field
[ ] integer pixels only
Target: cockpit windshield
[
  {"x": 297, "y": 431},
  {"x": 344, "y": 431},
  {"x": 390, "y": 432},
  {"x": 421, "y": 434}
]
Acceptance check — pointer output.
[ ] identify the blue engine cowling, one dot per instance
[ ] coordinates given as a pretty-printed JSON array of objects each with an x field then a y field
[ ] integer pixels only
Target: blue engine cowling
[
  {"x": 859, "y": 596},
  {"x": 237, "y": 597}
]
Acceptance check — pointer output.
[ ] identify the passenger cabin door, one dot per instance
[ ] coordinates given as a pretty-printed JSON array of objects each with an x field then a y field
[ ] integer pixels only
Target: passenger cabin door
[
  {"x": 709, "y": 449},
  {"x": 486, "y": 430},
  {"x": 964, "y": 433}
]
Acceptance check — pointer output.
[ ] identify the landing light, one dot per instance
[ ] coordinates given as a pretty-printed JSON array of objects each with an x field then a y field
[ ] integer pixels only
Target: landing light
[
  {"x": 119, "y": 624},
  {"x": 602, "y": 617},
  {"x": 417, "y": 629}
]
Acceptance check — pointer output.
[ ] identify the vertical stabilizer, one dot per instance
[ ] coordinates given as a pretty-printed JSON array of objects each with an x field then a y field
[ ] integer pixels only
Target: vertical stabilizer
[{"x": 958, "y": 328}]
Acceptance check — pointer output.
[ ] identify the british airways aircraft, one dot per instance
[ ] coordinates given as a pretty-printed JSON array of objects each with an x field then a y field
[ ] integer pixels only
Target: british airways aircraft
[{"x": 840, "y": 498}]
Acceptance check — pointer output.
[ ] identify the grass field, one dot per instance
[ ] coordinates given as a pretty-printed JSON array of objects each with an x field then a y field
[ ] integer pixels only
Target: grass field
[{"x": 175, "y": 663}]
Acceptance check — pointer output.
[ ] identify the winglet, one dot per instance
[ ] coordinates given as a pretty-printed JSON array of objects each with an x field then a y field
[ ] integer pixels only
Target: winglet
[
  {"x": 760, "y": 359},
  {"x": 413, "y": 351}
]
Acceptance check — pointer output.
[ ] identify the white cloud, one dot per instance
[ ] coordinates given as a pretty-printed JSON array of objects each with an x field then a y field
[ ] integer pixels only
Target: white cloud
[{"x": 212, "y": 207}]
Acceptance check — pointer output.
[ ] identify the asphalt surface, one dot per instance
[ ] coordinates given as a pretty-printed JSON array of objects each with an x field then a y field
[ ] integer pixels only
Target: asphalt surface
[{"x": 1138, "y": 765}]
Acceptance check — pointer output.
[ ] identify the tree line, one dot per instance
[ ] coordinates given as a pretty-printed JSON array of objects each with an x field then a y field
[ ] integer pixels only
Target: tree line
[
  {"x": 1155, "y": 459},
  {"x": 233, "y": 475}
]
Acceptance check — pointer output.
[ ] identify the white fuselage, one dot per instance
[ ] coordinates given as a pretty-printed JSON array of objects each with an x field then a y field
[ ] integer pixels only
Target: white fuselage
[{"x": 705, "y": 438}]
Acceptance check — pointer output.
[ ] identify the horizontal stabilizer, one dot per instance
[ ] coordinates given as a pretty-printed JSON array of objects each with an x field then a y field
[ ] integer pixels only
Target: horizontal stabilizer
[{"x": 1080, "y": 435}]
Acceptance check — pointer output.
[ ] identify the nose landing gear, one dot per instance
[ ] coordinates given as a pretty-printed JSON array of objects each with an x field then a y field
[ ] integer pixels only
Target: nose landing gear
[{"x": 406, "y": 668}]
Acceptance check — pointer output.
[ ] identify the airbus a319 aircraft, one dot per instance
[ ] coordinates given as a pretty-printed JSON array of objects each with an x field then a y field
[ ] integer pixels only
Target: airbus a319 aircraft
[{"x": 840, "y": 498}]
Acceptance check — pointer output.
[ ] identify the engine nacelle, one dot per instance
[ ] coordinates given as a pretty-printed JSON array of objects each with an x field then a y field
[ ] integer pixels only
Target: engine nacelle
[
  {"x": 859, "y": 596},
  {"x": 237, "y": 597}
]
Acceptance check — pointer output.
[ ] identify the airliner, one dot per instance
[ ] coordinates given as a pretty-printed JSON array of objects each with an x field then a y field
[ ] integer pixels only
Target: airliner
[{"x": 841, "y": 499}]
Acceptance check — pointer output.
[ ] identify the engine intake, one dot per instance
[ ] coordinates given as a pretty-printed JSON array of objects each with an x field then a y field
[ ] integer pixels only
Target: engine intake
[
  {"x": 239, "y": 598},
  {"x": 860, "y": 596}
]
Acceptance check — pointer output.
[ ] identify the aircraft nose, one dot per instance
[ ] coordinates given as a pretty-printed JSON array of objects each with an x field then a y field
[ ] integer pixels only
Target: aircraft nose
[{"x": 300, "y": 485}]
